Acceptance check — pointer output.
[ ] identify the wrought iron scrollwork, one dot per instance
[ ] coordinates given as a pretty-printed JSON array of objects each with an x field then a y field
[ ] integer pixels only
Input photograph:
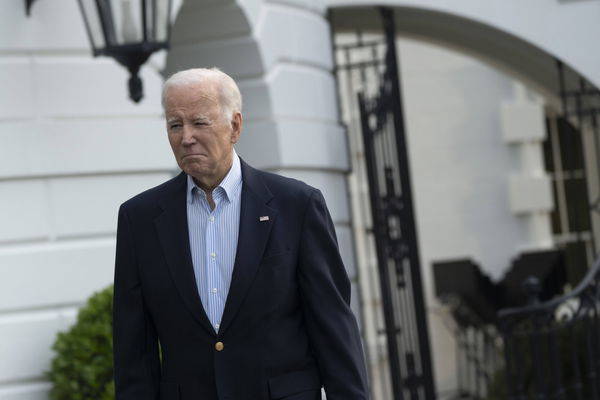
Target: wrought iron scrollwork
[
  {"x": 394, "y": 228},
  {"x": 552, "y": 349}
]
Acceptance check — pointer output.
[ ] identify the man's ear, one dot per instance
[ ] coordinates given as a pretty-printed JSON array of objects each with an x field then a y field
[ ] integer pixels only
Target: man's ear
[{"x": 236, "y": 127}]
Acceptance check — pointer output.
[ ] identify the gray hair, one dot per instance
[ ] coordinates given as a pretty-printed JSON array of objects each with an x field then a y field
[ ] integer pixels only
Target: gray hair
[{"x": 229, "y": 94}]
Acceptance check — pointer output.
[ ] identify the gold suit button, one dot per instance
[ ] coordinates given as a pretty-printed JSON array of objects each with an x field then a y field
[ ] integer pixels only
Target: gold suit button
[{"x": 219, "y": 346}]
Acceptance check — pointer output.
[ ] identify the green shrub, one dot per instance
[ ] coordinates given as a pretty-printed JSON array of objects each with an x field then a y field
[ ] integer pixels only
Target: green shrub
[{"x": 83, "y": 366}]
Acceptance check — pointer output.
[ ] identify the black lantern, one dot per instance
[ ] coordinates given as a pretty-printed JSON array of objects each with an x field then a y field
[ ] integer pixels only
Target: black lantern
[{"x": 129, "y": 31}]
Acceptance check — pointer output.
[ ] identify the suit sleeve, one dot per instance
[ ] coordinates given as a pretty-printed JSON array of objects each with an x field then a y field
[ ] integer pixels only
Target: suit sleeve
[
  {"x": 325, "y": 293},
  {"x": 135, "y": 342}
]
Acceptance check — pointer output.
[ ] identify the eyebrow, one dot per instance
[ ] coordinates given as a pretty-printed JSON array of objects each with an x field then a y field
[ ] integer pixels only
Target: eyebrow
[{"x": 195, "y": 118}]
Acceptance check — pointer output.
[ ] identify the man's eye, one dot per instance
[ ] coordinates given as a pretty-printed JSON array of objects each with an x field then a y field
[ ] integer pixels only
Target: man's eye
[
  {"x": 200, "y": 123},
  {"x": 174, "y": 126}
]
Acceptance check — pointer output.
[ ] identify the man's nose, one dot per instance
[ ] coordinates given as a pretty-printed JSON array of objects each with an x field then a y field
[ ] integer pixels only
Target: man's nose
[{"x": 188, "y": 136}]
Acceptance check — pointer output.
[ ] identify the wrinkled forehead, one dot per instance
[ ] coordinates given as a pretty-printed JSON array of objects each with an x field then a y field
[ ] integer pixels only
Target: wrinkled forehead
[{"x": 199, "y": 96}]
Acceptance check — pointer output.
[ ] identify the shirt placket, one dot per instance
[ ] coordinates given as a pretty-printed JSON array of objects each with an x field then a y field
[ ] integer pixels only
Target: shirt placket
[
  {"x": 213, "y": 260},
  {"x": 198, "y": 212}
]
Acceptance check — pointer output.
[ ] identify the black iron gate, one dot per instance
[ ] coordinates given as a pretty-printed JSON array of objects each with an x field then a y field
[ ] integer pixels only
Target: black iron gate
[{"x": 370, "y": 61}]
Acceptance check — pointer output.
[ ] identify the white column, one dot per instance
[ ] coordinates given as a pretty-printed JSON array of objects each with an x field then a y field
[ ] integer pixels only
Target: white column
[{"x": 530, "y": 190}]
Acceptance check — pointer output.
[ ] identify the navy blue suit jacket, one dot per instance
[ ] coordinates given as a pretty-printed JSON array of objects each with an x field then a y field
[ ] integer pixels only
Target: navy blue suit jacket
[{"x": 287, "y": 328}]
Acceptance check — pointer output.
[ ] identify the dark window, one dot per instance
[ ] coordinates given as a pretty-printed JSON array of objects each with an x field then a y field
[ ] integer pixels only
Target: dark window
[{"x": 563, "y": 153}]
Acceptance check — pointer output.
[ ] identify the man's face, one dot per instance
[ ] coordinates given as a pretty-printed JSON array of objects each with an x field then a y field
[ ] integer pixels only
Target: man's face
[{"x": 201, "y": 138}]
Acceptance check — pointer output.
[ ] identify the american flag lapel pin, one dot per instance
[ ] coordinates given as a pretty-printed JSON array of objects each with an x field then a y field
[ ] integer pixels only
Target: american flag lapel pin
[{"x": 263, "y": 218}]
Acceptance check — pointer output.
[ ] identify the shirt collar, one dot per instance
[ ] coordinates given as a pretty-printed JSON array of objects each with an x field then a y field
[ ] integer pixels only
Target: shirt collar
[{"x": 229, "y": 184}]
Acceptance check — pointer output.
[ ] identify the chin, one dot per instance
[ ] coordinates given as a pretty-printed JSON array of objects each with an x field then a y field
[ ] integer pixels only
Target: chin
[{"x": 194, "y": 169}]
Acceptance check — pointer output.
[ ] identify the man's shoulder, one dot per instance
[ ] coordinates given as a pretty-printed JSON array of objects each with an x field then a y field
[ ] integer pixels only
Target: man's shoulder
[
  {"x": 283, "y": 186},
  {"x": 156, "y": 194}
]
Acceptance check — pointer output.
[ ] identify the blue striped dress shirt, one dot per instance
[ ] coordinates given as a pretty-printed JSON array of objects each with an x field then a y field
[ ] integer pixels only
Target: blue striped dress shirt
[{"x": 213, "y": 236}]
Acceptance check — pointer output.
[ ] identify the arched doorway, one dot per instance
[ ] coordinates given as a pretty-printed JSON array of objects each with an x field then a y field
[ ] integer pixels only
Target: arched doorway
[{"x": 528, "y": 65}]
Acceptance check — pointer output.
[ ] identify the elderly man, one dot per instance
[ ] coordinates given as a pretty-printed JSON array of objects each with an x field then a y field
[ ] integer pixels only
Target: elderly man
[{"x": 228, "y": 280}]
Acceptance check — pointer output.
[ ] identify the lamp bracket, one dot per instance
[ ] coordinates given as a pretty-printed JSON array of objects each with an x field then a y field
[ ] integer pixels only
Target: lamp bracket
[{"x": 28, "y": 4}]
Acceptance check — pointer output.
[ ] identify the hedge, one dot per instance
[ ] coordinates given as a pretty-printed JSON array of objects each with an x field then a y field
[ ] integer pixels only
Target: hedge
[{"x": 82, "y": 368}]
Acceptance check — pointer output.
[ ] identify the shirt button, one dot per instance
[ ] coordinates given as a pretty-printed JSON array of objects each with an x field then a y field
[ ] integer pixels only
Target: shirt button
[
  {"x": 212, "y": 219},
  {"x": 217, "y": 326},
  {"x": 214, "y": 290},
  {"x": 213, "y": 255},
  {"x": 219, "y": 346}
]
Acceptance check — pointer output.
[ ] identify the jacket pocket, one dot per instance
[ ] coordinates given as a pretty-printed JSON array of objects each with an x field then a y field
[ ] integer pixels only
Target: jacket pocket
[
  {"x": 294, "y": 382},
  {"x": 275, "y": 255},
  {"x": 169, "y": 391}
]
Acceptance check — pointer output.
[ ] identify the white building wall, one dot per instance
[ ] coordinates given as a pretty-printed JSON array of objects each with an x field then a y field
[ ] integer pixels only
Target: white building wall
[
  {"x": 462, "y": 169},
  {"x": 460, "y": 162},
  {"x": 72, "y": 148}
]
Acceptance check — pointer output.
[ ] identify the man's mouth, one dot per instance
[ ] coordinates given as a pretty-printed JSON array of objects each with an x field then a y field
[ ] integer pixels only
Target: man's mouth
[{"x": 191, "y": 155}]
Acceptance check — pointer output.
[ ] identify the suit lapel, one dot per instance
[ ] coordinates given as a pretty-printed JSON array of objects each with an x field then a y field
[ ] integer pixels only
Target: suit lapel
[
  {"x": 252, "y": 239},
  {"x": 172, "y": 230}
]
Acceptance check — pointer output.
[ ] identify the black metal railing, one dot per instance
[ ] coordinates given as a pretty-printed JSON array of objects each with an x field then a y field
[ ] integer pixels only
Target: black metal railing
[
  {"x": 478, "y": 351},
  {"x": 471, "y": 299},
  {"x": 552, "y": 349}
]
